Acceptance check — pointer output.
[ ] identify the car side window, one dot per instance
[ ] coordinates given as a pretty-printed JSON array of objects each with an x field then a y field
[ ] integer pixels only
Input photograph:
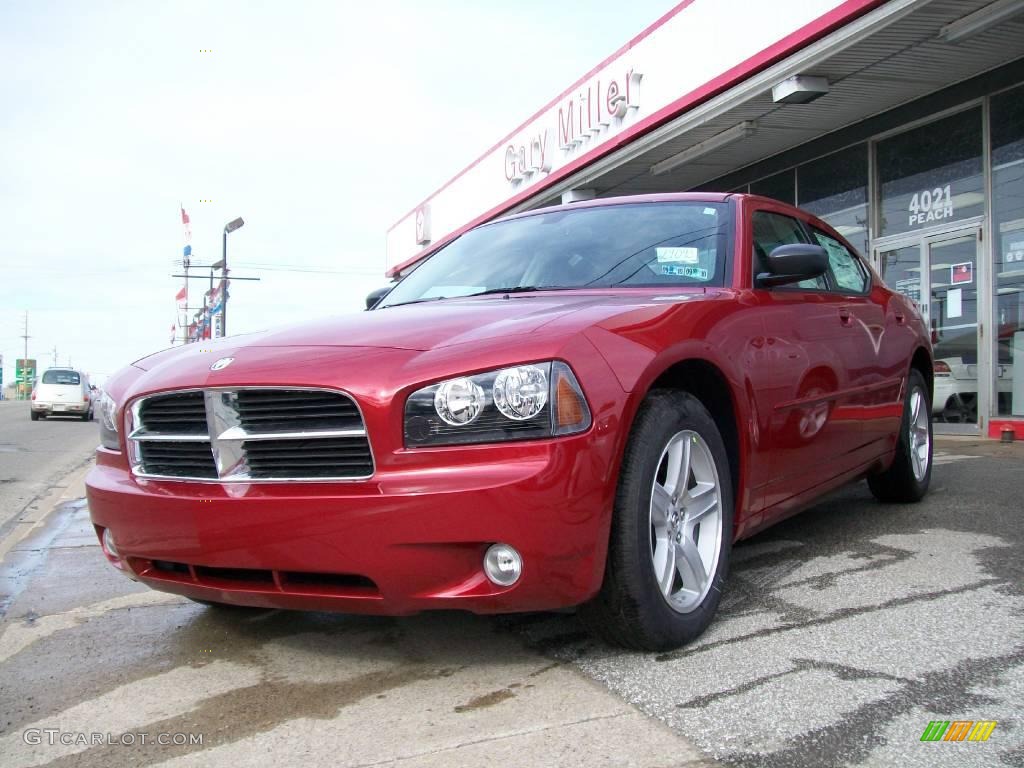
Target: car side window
[
  {"x": 772, "y": 230},
  {"x": 849, "y": 274}
]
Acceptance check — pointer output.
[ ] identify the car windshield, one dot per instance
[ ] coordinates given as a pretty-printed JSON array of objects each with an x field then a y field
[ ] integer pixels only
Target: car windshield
[
  {"x": 61, "y": 377},
  {"x": 632, "y": 245}
]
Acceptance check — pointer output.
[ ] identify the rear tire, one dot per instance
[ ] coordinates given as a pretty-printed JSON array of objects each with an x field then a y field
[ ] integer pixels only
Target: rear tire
[
  {"x": 658, "y": 595},
  {"x": 908, "y": 477},
  {"x": 34, "y": 416}
]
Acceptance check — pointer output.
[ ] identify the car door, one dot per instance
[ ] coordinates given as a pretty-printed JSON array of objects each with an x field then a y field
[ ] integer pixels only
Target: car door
[
  {"x": 802, "y": 374},
  {"x": 873, "y": 397}
]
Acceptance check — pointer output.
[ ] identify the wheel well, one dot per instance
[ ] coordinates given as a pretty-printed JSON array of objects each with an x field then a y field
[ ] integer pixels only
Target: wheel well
[
  {"x": 922, "y": 361},
  {"x": 705, "y": 382}
]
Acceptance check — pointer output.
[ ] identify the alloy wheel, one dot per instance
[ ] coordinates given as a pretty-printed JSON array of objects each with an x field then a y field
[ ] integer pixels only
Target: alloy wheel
[
  {"x": 685, "y": 521},
  {"x": 920, "y": 434}
]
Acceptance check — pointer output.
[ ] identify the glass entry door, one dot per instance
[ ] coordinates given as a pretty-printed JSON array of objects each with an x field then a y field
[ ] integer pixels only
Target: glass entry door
[
  {"x": 953, "y": 318},
  {"x": 940, "y": 274}
]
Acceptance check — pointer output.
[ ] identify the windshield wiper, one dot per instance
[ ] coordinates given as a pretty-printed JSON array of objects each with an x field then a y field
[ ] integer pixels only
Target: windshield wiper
[
  {"x": 517, "y": 289},
  {"x": 414, "y": 301},
  {"x": 514, "y": 289}
]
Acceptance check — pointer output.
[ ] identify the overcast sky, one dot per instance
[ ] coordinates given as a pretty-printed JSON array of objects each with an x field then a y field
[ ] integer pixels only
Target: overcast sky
[{"x": 320, "y": 123}]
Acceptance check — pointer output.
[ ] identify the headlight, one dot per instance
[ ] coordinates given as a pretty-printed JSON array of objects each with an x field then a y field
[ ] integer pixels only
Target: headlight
[
  {"x": 109, "y": 437},
  {"x": 521, "y": 402}
]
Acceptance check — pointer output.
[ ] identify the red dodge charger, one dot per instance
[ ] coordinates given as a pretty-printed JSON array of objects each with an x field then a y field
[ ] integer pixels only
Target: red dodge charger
[{"x": 583, "y": 405}]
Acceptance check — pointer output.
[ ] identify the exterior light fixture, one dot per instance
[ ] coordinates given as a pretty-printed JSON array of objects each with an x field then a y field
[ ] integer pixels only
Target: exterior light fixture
[
  {"x": 980, "y": 20},
  {"x": 719, "y": 140},
  {"x": 230, "y": 227},
  {"x": 800, "y": 89}
]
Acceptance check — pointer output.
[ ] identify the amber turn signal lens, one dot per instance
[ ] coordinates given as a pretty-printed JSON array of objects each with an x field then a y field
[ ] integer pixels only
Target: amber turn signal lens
[{"x": 570, "y": 410}]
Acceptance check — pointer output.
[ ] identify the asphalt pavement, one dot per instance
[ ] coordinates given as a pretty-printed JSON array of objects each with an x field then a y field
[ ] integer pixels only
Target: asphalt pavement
[
  {"x": 36, "y": 457},
  {"x": 843, "y": 632}
]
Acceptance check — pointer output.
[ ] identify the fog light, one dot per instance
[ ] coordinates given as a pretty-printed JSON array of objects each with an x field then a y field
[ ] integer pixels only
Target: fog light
[
  {"x": 503, "y": 565},
  {"x": 108, "y": 544}
]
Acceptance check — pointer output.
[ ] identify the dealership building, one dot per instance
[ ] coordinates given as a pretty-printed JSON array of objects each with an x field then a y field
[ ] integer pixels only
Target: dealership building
[{"x": 899, "y": 122}]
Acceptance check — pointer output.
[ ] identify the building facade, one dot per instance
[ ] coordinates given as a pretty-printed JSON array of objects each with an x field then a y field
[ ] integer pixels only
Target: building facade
[{"x": 900, "y": 122}]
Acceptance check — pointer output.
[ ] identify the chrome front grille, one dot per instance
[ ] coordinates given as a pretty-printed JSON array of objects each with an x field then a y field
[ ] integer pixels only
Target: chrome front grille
[{"x": 249, "y": 434}]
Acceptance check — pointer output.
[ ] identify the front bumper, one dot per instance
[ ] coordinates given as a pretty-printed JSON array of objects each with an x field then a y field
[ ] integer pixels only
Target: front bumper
[{"x": 410, "y": 539}]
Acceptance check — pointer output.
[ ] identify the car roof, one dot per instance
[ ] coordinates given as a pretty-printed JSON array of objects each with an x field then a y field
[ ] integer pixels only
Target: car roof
[{"x": 663, "y": 197}]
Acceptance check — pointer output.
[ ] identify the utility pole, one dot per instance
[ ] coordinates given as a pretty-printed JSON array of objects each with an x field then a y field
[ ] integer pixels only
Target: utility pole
[
  {"x": 25, "y": 337},
  {"x": 54, "y": 355}
]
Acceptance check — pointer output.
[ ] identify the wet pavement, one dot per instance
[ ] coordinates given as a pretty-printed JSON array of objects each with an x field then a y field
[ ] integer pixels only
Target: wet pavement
[
  {"x": 98, "y": 671},
  {"x": 34, "y": 455},
  {"x": 842, "y": 633}
]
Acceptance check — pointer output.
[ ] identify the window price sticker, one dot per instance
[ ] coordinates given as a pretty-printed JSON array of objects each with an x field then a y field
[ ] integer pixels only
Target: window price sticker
[
  {"x": 677, "y": 270},
  {"x": 678, "y": 255}
]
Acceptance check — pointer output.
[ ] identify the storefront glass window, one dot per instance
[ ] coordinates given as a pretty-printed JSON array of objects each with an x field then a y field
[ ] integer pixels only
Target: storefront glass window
[
  {"x": 835, "y": 188},
  {"x": 1007, "y": 121},
  {"x": 781, "y": 186},
  {"x": 931, "y": 175}
]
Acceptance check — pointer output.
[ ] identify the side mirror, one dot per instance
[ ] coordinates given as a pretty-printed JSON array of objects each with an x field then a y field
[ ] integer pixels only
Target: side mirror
[
  {"x": 792, "y": 263},
  {"x": 374, "y": 296}
]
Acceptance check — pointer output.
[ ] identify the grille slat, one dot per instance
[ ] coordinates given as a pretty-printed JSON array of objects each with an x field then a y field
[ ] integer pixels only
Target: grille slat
[
  {"x": 299, "y": 414},
  {"x": 283, "y": 411},
  {"x": 181, "y": 413}
]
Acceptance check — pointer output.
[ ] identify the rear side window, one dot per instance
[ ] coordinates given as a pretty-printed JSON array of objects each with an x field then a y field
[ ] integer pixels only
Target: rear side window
[
  {"x": 61, "y": 377},
  {"x": 847, "y": 270},
  {"x": 772, "y": 230}
]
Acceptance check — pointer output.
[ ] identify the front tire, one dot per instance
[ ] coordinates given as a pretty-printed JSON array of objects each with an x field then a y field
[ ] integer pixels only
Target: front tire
[
  {"x": 226, "y": 607},
  {"x": 34, "y": 416},
  {"x": 671, "y": 533},
  {"x": 908, "y": 477}
]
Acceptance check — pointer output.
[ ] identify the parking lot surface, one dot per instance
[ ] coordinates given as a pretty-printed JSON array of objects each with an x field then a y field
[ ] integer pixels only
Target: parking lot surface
[
  {"x": 846, "y": 629},
  {"x": 842, "y": 633}
]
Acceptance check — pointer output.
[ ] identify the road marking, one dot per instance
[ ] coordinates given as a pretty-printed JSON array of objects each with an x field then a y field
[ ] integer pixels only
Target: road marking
[
  {"x": 948, "y": 458},
  {"x": 18, "y": 636}
]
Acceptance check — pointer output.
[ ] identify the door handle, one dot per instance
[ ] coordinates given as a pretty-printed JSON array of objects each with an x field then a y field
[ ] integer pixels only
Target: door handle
[{"x": 845, "y": 317}]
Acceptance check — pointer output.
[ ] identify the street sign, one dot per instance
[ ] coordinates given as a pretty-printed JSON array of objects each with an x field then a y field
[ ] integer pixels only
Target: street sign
[
  {"x": 24, "y": 370},
  {"x": 24, "y": 374}
]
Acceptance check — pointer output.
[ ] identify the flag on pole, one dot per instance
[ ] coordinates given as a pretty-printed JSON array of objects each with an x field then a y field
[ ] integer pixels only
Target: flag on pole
[
  {"x": 182, "y": 294},
  {"x": 186, "y": 225},
  {"x": 184, "y": 217}
]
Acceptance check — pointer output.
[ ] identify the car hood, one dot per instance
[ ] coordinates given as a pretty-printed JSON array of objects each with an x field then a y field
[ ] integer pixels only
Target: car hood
[
  {"x": 433, "y": 325},
  {"x": 387, "y": 345}
]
